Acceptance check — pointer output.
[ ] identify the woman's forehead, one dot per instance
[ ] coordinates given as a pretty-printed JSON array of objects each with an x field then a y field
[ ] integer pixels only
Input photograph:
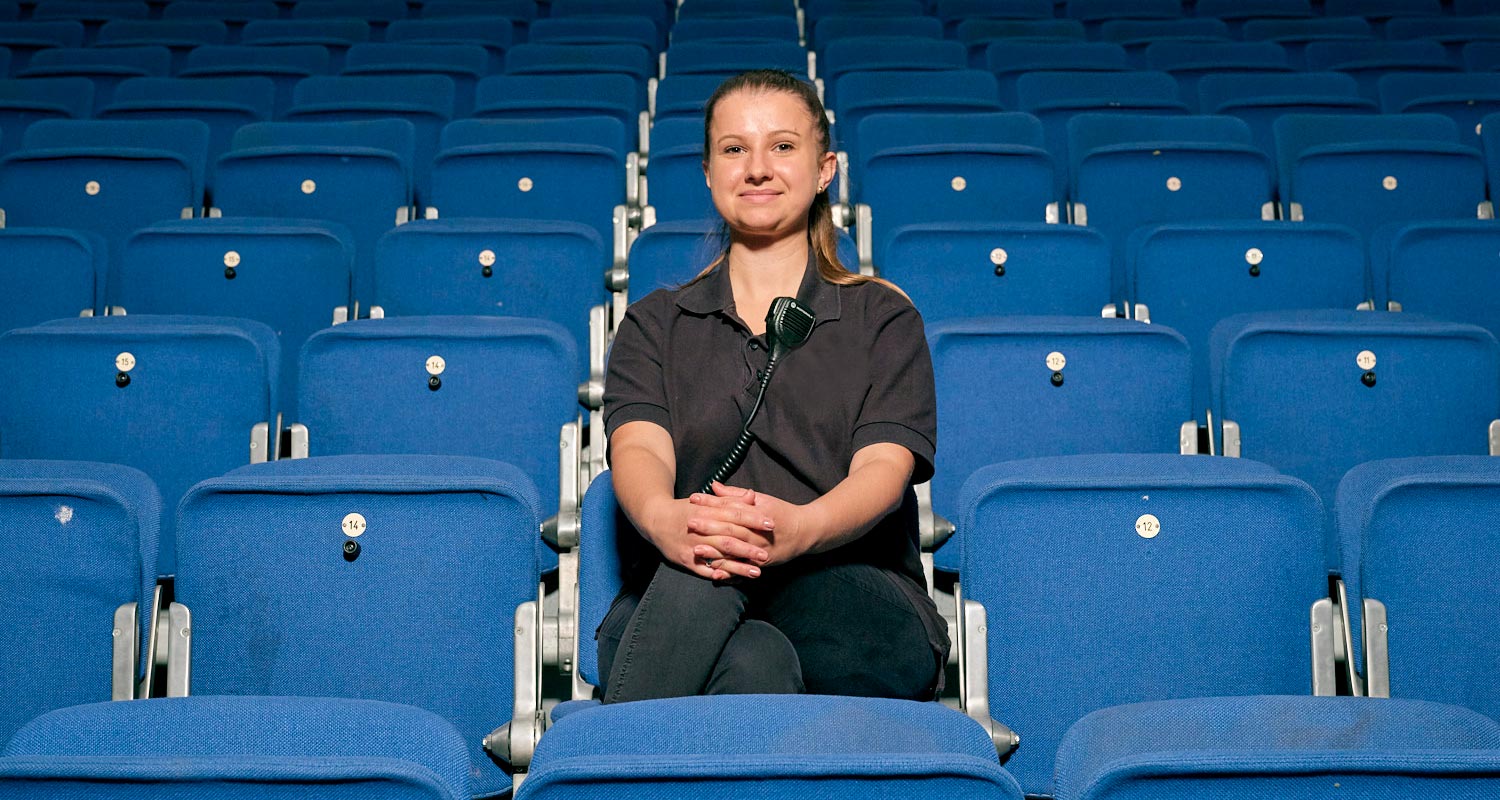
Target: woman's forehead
[{"x": 767, "y": 109}]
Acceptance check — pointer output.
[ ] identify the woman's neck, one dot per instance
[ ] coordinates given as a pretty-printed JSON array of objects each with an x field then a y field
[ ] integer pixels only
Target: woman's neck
[{"x": 758, "y": 275}]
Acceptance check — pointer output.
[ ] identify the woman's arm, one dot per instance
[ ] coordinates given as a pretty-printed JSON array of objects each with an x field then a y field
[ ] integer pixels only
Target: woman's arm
[
  {"x": 878, "y": 476},
  {"x": 644, "y": 467}
]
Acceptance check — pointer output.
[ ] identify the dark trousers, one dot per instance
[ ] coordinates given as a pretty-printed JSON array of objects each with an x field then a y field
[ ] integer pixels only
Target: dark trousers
[{"x": 845, "y": 629}]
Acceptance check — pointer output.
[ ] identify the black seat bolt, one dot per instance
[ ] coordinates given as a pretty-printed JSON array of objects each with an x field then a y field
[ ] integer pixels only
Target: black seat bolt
[{"x": 351, "y": 550}]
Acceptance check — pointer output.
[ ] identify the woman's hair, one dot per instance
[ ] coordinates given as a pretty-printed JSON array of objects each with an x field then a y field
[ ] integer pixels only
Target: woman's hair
[{"x": 822, "y": 234}]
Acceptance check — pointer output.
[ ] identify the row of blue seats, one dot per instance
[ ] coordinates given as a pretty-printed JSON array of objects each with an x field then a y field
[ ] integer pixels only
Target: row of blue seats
[{"x": 1153, "y": 547}]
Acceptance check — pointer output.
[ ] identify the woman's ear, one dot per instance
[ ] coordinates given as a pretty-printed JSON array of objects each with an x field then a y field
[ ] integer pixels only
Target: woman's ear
[{"x": 828, "y": 167}]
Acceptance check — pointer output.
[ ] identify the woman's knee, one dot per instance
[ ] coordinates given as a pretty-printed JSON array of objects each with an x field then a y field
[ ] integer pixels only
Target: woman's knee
[{"x": 758, "y": 659}]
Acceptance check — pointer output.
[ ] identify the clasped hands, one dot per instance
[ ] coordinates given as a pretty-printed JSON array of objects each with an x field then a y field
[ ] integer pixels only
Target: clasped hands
[{"x": 735, "y": 531}]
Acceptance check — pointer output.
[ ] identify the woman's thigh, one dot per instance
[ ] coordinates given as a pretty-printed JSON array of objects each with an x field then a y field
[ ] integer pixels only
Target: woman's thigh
[{"x": 859, "y": 631}]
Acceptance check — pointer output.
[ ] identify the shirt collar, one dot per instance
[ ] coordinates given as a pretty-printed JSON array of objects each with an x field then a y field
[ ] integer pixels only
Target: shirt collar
[{"x": 714, "y": 294}]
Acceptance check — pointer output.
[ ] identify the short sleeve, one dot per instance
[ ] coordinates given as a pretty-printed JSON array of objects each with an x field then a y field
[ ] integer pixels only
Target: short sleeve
[
  {"x": 901, "y": 405},
  {"x": 634, "y": 385}
]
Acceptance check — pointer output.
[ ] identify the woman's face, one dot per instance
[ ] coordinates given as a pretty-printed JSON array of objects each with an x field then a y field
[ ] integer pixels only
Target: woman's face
[{"x": 765, "y": 163}]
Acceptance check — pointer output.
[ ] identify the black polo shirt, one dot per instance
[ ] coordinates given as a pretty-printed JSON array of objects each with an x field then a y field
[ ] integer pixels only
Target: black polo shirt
[{"x": 686, "y": 361}]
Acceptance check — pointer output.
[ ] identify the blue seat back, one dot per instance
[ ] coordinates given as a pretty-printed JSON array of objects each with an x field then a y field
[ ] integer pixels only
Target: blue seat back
[
  {"x": 464, "y": 64},
  {"x": 105, "y": 66},
  {"x": 1442, "y": 269},
  {"x": 543, "y": 269},
  {"x": 1135, "y": 35},
  {"x": 1190, "y": 275},
  {"x": 1261, "y": 98},
  {"x": 956, "y": 270},
  {"x": 50, "y": 273},
  {"x": 319, "y": 748},
  {"x": 1021, "y": 387},
  {"x": 338, "y": 35},
  {"x": 715, "y": 58},
  {"x": 1296, "y": 34},
  {"x": 1143, "y": 540},
  {"x": 564, "y": 59},
  {"x": 1368, "y": 61},
  {"x": 1054, "y": 97},
  {"x": 23, "y": 102},
  {"x": 595, "y": 29},
  {"x": 495, "y": 34},
  {"x": 669, "y": 254},
  {"x": 223, "y": 104},
  {"x": 477, "y": 408},
  {"x": 23, "y": 39},
  {"x": 79, "y": 540},
  {"x": 289, "y": 274},
  {"x": 675, "y": 176},
  {"x": 886, "y": 54},
  {"x": 1009, "y": 60},
  {"x": 1466, "y": 98},
  {"x": 192, "y": 390},
  {"x": 446, "y": 594},
  {"x": 178, "y": 35},
  {"x": 945, "y": 91},
  {"x": 547, "y": 96},
  {"x": 1189, "y": 61},
  {"x": 284, "y": 65}
]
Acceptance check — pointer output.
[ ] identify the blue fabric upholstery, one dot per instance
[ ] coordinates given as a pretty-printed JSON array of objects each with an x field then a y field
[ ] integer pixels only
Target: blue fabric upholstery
[
  {"x": 338, "y": 35},
  {"x": 683, "y": 96},
  {"x": 542, "y": 96},
  {"x": 223, "y": 104},
  {"x": 1293, "y": 383},
  {"x": 465, "y": 64},
  {"x": 105, "y": 66},
  {"x": 1010, "y": 60},
  {"x": 949, "y": 269},
  {"x": 1191, "y": 275},
  {"x": 1125, "y": 389},
  {"x": 1190, "y": 61},
  {"x": 762, "y": 746},
  {"x": 289, "y": 274},
  {"x": 536, "y": 268},
  {"x": 600, "y": 567},
  {"x": 1368, "y": 171},
  {"x": 1417, "y": 535},
  {"x": 23, "y": 39},
  {"x": 1368, "y": 61},
  {"x": 1466, "y": 98},
  {"x": 23, "y": 102},
  {"x": 562, "y": 59},
  {"x": 842, "y": 26},
  {"x": 49, "y": 273},
  {"x": 178, "y": 35},
  {"x": 79, "y": 540},
  {"x": 1138, "y": 34},
  {"x": 284, "y": 65},
  {"x": 507, "y": 388},
  {"x": 1195, "y": 608},
  {"x": 494, "y": 32},
  {"x": 423, "y": 615},
  {"x": 596, "y": 29},
  {"x": 745, "y": 28},
  {"x": 1296, "y": 34},
  {"x": 885, "y": 54},
  {"x": 713, "y": 58},
  {"x": 1284, "y": 747},
  {"x": 1259, "y": 98},
  {"x": 656, "y": 12},
  {"x": 677, "y": 190},
  {"x": 236, "y": 747},
  {"x": 979, "y": 33},
  {"x": 1054, "y": 97},
  {"x": 669, "y": 254},
  {"x": 357, "y": 174},
  {"x": 197, "y": 388},
  {"x": 1442, "y": 269},
  {"x": 111, "y": 177},
  {"x": 949, "y": 91},
  {"x": 567, "y": 168}
]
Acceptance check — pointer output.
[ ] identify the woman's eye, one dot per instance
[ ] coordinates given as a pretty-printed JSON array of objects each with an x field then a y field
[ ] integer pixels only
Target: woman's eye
[
  {"x": 733, "y": 149},
  {"x": 784, "y": 146}
]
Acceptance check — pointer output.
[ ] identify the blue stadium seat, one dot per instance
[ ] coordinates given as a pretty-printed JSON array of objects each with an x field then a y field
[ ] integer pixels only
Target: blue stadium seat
[
  {"x": 23, "y": 102},
  {"x": 315, "y": 748},
  {"x": 949, "y": 91},
  {"x": 683, "y": 96},
  {"x": 548, "y": 96},
  {"x": 979, "y": 34},
  {"x": 1139, "y": 543},
  {"x": 284, "y": 65},
  {"x": 977, "y": 269},
  {"x": 465, "y": 64},
  {"x": 840, "y": 26},
  {"x": 1010, "y": 60},
  {"x": 884, "y": 54},
  {"x": 734, "y": 8},
  {"x": 223, "y": 104},
  {"x": 765, "y": 746},
  {"x": 426, "y": 101},
  {"x": 1442, "y": 269},
  {"x": 1470, "y": 8},
  {"x": 235, "y": 14},
  {"x": 965, "y": 168},
  {"x": 542, "y": 269},
  {"x": 1279, "y": 746},
  {"x": 178, "y": 35},
  {"x": 1382, "y": 9},
  {"x": 669, "y": 254},
  {"x": 112, "y": 177},
  {"x": 655, "y": 11},
  {"x": 1021, "y": 387},
  {"x": 1295, "y": 34},
  {"x": 676, "y": 189},
  {"x": 414, "y": 602},
  {"x": 567, "y": 168},
  {"x": 1368, "y": 61},
  {"x": 465, "y": 403},
  {"x": 519, "y": 13},
  {"x": 1241, "y": 11},
  {"x": 1368, "y": 171},
  {"x": 1191, "y": 275},
  {"x": 50, "y": 273},
  {"x": 378, "y": 13},
  {"x": 179, "y": 398},
  {"x": 1260, "y": 99},
  {"x": 1093, "y": 13},
  {"x": 815, "y": 10},
  {"x": 566, "y": 59},
  {"x": 1132, "y": 170},
  {"x": 1416, "y": 543},
  {"x": 1481, "y": 56},
  {"x": 954, "y": 13},
  {"x": 1190, "y": 61},
  {"x": 290, "y": 274},
  {"x": 1467, "y": 98},
  {"x": 594, "y": 29},
  {"x": 23, "y": 39},
  {"x": 1055, "y": 97},
  {"x": 105, "y": 66},
  {"x": 719, "y": 59},
  {"x": 1135, "y": 35},
  {"x": 494, "y": 34},
  {"x": 1368, "y": 385},
  {"x": 79, "y": 540},
  {"x": 1451, "y": 32},
  {"x": 92, "y": 13},
  {"x": 338, "y": 35},
  {"x": 357, "y": 174},
  {"x": 773, "y": 28}
]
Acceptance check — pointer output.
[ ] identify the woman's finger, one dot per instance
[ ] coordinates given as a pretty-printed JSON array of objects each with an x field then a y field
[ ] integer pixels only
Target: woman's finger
[
  {"x": 707, "y": 526},
  {"x": 738, "y": 514}
]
